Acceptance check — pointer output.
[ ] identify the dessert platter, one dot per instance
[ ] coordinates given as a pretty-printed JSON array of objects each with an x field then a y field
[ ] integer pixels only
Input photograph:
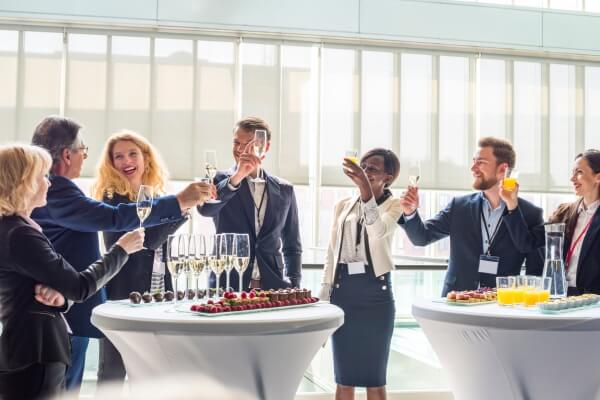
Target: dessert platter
[
  {"x": 253, "y": 301},
  {"x": 471, "y": 297},
  {"x": 136, "y": 299},
  {"x": 569, "y": 304}
]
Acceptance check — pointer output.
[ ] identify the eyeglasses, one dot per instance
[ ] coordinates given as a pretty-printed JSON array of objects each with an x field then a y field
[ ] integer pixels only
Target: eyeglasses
[{"x": 83, "y": 149}]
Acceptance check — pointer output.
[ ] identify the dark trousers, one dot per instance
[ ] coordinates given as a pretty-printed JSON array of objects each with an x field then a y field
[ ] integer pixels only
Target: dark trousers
[
  {"x": 110, "y": 365},
  {"x": 38, "y": 381},
  {"x": 79, "y": 345}
]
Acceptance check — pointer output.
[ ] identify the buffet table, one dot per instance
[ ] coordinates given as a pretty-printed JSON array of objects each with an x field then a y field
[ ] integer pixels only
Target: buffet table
[
  {"x": 498, "y": 353},
  {"x": 264, "y": 354}
]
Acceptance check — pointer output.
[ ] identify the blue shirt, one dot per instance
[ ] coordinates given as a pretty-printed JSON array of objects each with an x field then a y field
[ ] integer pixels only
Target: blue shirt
[{"x": 492, "y": 218}]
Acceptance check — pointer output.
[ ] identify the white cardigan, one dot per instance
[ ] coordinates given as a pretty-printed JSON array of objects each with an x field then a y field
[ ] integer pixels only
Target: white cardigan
[{"x": 380, "y": 233}]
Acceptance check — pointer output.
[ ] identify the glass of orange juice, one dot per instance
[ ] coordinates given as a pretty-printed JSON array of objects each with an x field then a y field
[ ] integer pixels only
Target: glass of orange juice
[
  {"x": 352, "y": 155},
  {"x": 505, "y": 288},
  {"x": 511, "y": 177},
  {"x": 544, "y": 289}
]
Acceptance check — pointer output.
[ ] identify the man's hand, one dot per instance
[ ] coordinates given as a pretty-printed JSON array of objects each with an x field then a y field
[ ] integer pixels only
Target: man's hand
[
  {"x": 410, "y": 200},
  {"x": 510, "y": 197},
  {"x": 48, "y": 296},
  {"x": 196, "y": 193},
  {"x": 248, "y": 162}
]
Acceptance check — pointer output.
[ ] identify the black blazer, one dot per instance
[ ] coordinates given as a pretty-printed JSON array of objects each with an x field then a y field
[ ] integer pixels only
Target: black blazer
[
  {"x": 277, "y": 245},
  {"x": 32, "y": 332},
  {"x": 137, "y": 273},
  {"x": 461, "y": 220},
  {"x": 588, "y": 266}
]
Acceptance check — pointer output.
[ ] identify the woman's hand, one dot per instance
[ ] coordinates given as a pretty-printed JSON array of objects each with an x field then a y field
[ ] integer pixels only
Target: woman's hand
[
  {"x": 132, "y": 241},
  {"x": 359, "y": 178},
  {"x": 509, "y": 197},
  {"x": 48, "y": 296}
]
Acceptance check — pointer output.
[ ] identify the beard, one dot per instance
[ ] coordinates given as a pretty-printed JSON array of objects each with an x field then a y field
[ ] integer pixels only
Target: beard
[{"x": 484, "y": 184}]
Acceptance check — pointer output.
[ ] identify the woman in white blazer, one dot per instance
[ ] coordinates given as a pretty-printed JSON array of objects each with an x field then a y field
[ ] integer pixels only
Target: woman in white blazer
[{"x": 357, "y": 275}]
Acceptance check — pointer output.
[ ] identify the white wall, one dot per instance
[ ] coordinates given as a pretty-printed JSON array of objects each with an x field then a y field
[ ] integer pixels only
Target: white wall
[{"x": 410, "y": 21}]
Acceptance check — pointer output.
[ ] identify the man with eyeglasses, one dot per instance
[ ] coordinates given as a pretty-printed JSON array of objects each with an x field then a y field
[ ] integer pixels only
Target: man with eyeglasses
[
  {"x": 71, "y": 221},
  {"x": 481, "y": 247}
]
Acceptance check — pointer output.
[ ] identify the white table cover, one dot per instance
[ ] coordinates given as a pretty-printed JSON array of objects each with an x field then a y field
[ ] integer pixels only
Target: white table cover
[
  {"x": 264, "y": 354},
  {"x": 503, "y": 353}
]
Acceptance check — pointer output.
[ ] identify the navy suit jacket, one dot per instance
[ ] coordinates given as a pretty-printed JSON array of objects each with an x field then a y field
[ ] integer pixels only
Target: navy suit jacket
[
  {"x": 277, "y": 246},
  {"x": 588, "y": 266},
  {"x": 461, "y": 220},
  {"x": 71, "y": 221}
]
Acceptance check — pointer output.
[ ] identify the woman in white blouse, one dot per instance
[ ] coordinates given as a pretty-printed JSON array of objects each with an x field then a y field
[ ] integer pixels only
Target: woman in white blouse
[
  {"x": 357, "y": 275},
  {"x": 581, "y": 250}
]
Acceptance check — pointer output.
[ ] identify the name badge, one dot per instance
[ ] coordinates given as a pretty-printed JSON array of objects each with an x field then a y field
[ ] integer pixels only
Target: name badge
[
  {"x": 489, "y": 264},
  {"x": 355, "y": 268}
]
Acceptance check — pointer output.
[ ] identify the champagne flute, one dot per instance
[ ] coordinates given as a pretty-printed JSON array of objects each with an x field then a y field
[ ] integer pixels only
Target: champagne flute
[
  {"x": 144, "y": 202},
  {"x": 241, "y": 255},
  {"x": 210, "y": 165},
  {"x": 414, "y": 173},
  {"x": 228, "y": 238},
  {"x": 201, "y": 256},
  {"x": 194, "y": 263},
  {"x": 260, "y": 149},
  {"x": 174, "y": 262},
  {"x": 216, "y": 260}
]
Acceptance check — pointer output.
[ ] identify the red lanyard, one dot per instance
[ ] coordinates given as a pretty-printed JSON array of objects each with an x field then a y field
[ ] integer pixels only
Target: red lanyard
[{"x": 574, "y": 244}]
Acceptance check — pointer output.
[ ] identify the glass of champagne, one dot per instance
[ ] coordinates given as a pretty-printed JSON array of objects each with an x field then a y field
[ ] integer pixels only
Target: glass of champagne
[
  {"x": 210, "y": 166},
  {"x": 193, "y": 265},
  {"x": 414, "y": 173},
  {"x": 175, "y": 263},
  {"x": 216, "y": 260},
  {"x": 260, "y": 149},
  {"x": 241, "y": 255},
  {"x": 352, "y": 155},
  {"x": 199, "y": 259},
  {"x": 144, "y": 202},
  {"x": 227, "y": 247}
]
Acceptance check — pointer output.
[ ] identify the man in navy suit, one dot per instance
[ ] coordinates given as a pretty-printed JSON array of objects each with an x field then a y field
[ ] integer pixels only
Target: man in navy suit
[
  {"x": 71, "y": 221},
  {"x": 266, "y": 211},
  {"x": 481, "y": 247}
]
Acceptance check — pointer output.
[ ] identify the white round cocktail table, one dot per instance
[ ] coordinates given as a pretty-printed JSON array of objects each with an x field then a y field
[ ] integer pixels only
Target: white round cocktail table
[
  {"x": 499, "y": 353},
  {"x": 263, "y": 354}
]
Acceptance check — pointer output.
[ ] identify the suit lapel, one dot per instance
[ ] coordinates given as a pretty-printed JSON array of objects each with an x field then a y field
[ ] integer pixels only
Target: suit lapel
[
  {"x": 273, "y": 202},
  {"x": 476, "y": 216},
  {"x": 591, "y": 234}
]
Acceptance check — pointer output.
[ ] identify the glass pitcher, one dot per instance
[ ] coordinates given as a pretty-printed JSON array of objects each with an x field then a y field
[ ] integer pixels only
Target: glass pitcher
[{"x": 554, "y": 267}]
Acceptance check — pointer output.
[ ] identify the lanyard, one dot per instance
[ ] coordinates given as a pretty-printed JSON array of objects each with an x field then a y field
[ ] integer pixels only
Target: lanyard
[
  {"x": 490, "y": 239},
  {"x": 260, "y": 205},
  {"x": 576, "y": 241}
]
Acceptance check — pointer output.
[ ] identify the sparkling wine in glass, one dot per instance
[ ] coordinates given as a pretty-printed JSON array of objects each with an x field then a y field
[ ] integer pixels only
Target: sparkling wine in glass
[
  {"x": 210, "y": 163},
  {"x": 144, "y": 202},
  {"x": 195, "y": 261},
  {"x": 414, "y": 173},
  {"x": 241, "y": 255},
  {"x": 228, "y": 238},
  {"x": 260, "y": 149},
  {"x": 175, "y": 263},
  {"x": 216, "y": 260}
]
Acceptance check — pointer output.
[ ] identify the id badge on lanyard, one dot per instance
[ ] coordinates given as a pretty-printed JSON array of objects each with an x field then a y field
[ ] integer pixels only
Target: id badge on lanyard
[{"x": 488, "y": 264}]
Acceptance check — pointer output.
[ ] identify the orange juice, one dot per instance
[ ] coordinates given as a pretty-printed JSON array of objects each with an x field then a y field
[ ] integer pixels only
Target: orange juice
[
  {"x": 506, "y": 296},
  {"x": 531, "y": 297},
  {"x": 353, "y": 159},
  {"x": 518, "y": 295},
  {"x": 543, "y": 295},
  {"x": 509, "y": 184}
]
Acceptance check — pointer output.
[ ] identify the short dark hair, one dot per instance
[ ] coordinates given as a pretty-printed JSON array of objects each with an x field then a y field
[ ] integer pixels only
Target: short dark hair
[
  {"x": 252, "y": 124},
  {"x": 55, "y": 133},
  {"x": 391, "y": 163},
  {"x": 503, "y": 150}
]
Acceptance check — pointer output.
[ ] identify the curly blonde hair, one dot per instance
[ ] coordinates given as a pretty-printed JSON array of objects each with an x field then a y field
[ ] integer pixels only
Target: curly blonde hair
[
  {"x": 20, "y": 167},
  {"x": 111, "y": 181}
]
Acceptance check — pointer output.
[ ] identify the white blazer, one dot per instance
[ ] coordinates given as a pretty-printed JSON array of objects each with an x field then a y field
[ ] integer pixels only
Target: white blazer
[{"x": 380, "y": 233}]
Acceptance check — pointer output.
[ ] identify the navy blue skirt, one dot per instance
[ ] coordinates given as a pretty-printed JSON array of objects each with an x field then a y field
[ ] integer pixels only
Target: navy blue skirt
[{"x": 361, "y": 347}]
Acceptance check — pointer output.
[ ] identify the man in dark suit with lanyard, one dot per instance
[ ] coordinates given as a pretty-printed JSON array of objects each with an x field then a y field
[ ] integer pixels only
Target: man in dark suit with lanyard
[
  {"x": 481, "y": 247},
  {"x": 265, "y": 209}
]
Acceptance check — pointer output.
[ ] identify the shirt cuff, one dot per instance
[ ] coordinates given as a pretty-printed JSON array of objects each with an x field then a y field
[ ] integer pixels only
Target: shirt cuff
[
  {"x": 411, "y": 216},
  {"x": 370, "y": 211},
  {"x": 231, "y": 187}
]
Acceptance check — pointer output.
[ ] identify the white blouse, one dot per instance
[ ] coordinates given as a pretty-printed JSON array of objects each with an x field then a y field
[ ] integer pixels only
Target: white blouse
[{"x": 583, "y": 217}]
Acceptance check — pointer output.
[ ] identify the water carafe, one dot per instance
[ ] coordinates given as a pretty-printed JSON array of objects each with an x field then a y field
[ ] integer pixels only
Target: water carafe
[{"x": 554, "y": 267}]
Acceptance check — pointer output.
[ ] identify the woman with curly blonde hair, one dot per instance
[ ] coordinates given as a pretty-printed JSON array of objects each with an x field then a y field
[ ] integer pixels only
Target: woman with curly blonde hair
[{"x": 127, "y": 162}]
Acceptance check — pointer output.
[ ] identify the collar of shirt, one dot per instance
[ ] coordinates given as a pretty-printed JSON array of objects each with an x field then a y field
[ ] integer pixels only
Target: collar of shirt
[
  {"x": 488, "y": 207},
  {"x": 589, "y": 210}
]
